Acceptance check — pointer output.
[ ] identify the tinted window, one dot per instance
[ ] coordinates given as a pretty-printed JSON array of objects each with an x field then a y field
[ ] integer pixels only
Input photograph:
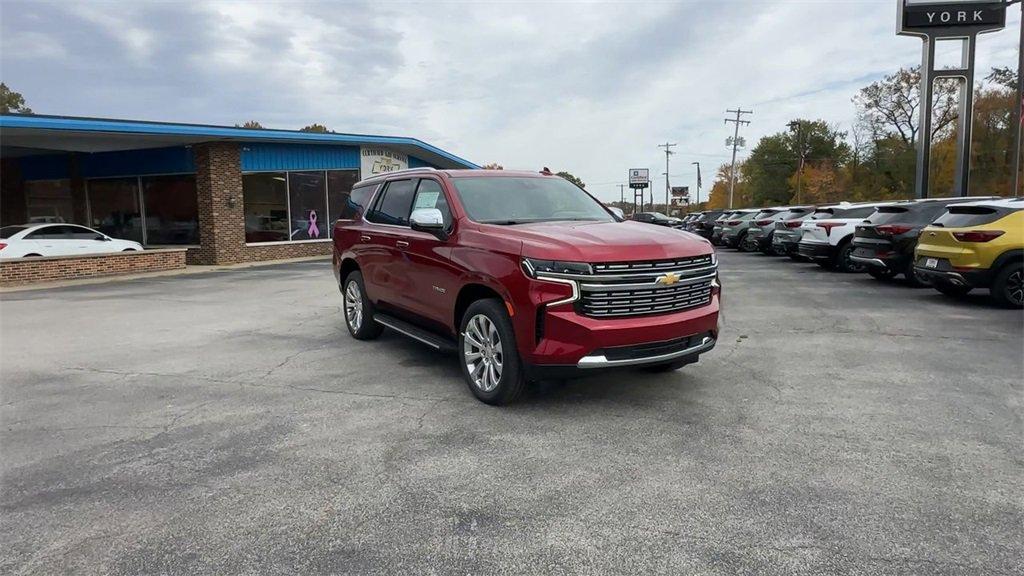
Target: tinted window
[
  {"x": 265, "y": 200},
  {"x": 766, "y": 214},
  {"x": 342, "y": 200},
  {"x": 793, "y": 214},
  {"x": 172, "y": 209},
  {"x": 394, "y": 205},
  {"x": 356, "y": 202},
  {"x": 861, "y": 212},
  {"x": 510, "y": 199},
  {"x": 886, "y": 214},
  {"x": 114, "y": 207},
  {"x": 745, "y": 216},
  {"x": 82, "y": 233},
  {"x": 50, "y": 233},
  {"x": 965, "y": 216},
  {"x": 308, "y": 205},
  {"x": 8, "y": 231},
  {"x": 430, "y": 195}
]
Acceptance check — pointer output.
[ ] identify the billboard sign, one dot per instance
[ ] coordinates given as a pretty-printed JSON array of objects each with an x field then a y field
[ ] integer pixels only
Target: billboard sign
[
  {"x": 639, "y": 177},
  {"x": 376, "y": 160},
  {"x": 680, "y": 191},
  {"x": 949, "y": 18}
]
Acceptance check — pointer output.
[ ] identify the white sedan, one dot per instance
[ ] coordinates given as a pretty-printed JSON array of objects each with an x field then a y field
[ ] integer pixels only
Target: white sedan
[{"x": 58, "y": 240}]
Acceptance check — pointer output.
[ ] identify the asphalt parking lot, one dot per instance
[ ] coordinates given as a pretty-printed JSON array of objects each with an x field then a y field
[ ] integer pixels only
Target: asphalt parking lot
[{"x": 226, "y": 423}]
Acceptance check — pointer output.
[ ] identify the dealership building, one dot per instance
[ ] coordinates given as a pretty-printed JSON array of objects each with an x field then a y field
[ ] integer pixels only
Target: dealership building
[{"x": 227, "y": 194}]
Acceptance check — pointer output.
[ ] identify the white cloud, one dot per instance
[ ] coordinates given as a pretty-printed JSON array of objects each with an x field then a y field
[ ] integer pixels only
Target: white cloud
[{"x": 587, "y": 87}]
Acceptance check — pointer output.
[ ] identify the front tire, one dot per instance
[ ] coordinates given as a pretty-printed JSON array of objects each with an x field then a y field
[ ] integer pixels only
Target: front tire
[
  {"x": 881, "y": 273},
  {"x": 489, "y": 358},
  {"x": 358, "y": 309},
  {"x": 1007, "y": 288}
]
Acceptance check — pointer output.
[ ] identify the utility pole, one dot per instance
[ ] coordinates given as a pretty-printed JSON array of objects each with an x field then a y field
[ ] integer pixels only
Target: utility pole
[
  {"x": 798, "y": 125},
  {"x": 739, "y": 112},
  {"x": 697, "y": 164},
  {"x": 622, "y": 193},
  {"x": 1018, "y": 113},
  {"x": 668, "y": 152}
]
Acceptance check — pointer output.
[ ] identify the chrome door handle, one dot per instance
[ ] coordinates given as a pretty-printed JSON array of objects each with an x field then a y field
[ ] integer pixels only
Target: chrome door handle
[
  {"x": 402, "y": 244},
  {"x": 364, "y": 238}
]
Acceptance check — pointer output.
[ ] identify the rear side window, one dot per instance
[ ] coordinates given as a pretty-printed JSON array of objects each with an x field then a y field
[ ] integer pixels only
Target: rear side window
[
  {"x": 8, "y": 231},
  {"x": 394, "y": 205},
  {"x": 50, "y": 233},
  {"x": 355, "y": 202},
  {"x": 966, "y": 216}
]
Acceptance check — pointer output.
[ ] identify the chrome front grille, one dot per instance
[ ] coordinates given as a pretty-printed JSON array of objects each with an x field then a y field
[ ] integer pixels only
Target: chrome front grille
[{"x": 645, "y": 288}]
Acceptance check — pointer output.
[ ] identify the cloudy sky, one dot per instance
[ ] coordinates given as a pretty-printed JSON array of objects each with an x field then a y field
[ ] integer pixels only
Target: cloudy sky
[{"x": 589, "y": 88}]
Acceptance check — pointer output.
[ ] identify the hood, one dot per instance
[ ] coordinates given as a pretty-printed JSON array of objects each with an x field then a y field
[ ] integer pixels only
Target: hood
[{"x": 602, "y": 241}]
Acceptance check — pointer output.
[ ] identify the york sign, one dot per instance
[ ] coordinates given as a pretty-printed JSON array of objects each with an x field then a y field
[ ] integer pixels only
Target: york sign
[{"x": 961, "y": 15}]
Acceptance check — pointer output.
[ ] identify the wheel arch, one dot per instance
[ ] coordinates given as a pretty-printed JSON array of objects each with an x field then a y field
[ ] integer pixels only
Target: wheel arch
[
  {"x": 469, "y": 293},
  {"x": 1013, "y": 256},
  {"x": 348, "y": 265}
]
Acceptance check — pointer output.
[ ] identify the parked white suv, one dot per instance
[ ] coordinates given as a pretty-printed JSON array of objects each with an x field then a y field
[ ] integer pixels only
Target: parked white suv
[
  {"x": 828, "y": 234},
  {"x": 58, "y": 240}
]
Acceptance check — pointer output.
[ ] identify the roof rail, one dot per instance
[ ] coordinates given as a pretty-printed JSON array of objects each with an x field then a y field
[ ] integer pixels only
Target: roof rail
[{"x": 402, "y": 171}]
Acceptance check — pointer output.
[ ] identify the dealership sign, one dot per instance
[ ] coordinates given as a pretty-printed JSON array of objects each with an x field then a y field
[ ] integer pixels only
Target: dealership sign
[
  {"x": 639, "y": 177},
  {"x": 375, "y": 160},
  {"x": 918, "y": 17},
  {"x": 681, "y": 192}
]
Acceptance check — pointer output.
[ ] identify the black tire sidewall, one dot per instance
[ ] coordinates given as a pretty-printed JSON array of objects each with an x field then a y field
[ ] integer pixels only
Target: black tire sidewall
[
  {"x": 512, "y": 381},
  {"x": 1000, "y": 287},
  {"x": 368, "y": 329}
]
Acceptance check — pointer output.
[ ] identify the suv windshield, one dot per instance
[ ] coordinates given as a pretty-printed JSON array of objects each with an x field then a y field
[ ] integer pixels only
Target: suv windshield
[{"x": 518, "y": 200}]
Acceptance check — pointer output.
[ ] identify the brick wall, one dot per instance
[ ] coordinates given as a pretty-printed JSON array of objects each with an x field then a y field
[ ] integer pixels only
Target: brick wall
[
  {"x": 222, "y": 213},
  {"x": 55, "y": 268}
]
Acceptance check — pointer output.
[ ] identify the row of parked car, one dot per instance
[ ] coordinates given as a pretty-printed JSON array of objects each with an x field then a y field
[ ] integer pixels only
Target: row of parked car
[{"x": 954, "y": 245}]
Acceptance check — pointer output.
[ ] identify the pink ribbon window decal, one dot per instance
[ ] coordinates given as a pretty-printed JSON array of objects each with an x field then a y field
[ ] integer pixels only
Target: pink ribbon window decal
[{"x": 313, "y": 231}]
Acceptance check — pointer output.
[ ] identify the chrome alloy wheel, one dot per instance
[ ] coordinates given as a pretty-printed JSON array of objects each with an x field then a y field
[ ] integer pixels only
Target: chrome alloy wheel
[
  {"x": 353, "y": 306},
  {"x": 1015, "y": 288},
  {"x": 482, "y": 352}
]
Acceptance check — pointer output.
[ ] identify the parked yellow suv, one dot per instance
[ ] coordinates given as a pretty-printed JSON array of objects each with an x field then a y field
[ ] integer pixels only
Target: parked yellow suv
[{"x": 976, "y": 245}]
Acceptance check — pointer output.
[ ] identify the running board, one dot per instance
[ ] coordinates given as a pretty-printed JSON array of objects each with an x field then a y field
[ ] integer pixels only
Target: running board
[{"x": 436, "y": 342}]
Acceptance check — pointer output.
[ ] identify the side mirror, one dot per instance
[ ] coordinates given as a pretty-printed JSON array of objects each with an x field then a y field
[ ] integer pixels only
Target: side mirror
[{"x": 429, "y": 220}]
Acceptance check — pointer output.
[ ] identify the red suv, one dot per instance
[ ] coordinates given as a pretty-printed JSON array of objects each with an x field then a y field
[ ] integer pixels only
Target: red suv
[{"x": 525, "y": 275}]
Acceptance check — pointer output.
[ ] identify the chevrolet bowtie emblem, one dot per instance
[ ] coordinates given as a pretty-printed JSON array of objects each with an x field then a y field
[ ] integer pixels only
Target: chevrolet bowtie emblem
[{"x": 668, "y": 279}]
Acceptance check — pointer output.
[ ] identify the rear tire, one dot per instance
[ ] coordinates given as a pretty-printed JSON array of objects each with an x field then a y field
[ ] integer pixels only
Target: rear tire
[
  {"x": 741, "y": 242},
  {"x": 1007, "y": 288},
  {"x": 914, "y": 280},
  {"x": 358, "y": 309},
  {"x": 950, "y": 289},
  {"x": 488, "y": 355},
  {"x": 881, "y": 273},
  {"x": 843, "y": 261}
]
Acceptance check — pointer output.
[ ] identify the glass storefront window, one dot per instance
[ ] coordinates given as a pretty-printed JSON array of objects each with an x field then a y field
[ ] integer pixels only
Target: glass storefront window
[
  {"x": 172, "y": 211},
  {"x": 49, "y": 201},
  {"x": 114, "y": 208},
  {"x": 265, "y": 197},
  {"x": 308, "y": 196}
]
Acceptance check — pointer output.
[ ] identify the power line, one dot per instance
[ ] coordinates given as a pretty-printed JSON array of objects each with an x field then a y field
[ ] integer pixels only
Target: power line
[{"x": 739, "y": 112}]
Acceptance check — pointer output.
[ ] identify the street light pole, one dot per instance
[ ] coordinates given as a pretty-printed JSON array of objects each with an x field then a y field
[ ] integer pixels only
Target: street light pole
[
  {"x": 1018, "y": 112},
  {"x": 697, "y": 164},
  {"x": 668, "y": 152}
]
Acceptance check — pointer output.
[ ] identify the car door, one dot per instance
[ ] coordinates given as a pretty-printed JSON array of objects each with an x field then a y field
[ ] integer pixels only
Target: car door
[
  {"x": 88, "y": 241},
  {"x": 387, "y": 222},
  {"x": 429, "y": 283}
]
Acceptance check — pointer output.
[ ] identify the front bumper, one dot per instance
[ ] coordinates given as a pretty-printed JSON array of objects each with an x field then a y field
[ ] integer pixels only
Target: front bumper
[
  {"x": 815, "y": 250},
  {"x": 576, "y": 341}
]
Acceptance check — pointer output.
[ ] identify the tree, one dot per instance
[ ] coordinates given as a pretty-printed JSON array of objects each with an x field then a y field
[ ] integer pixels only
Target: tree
[
  {"x": 493, "y": 166},
  {"x": 12, "y": 102},
  {"x": 1004, "y": 76},
  {"x": 318, "y": 128},
  {"x": 718, "y": 198},
  {"x": 574, "y": 179},
  {"x": 769, "y": 170},
  {"x": 249, "y": 124},
  {"x": 891, "y": 105}
]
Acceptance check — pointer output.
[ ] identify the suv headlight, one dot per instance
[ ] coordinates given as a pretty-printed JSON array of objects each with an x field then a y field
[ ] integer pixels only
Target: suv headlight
[
  {"x": 533, "y": 267},
  {"x": 714, "y": 258}
]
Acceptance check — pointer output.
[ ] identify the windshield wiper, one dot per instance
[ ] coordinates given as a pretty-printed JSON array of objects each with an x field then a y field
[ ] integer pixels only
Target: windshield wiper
[{"x": 505, "y": 222}]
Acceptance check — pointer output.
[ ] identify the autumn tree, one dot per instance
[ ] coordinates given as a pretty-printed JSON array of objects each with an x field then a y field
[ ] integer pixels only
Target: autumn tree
[
  {"x": 776, "y": 159},
  {"x": 12, "y": 102},
  {"x": 317, "y": 128},
  {"x": 891, "y": 105},
  {"x": 571, "y": 178}
]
